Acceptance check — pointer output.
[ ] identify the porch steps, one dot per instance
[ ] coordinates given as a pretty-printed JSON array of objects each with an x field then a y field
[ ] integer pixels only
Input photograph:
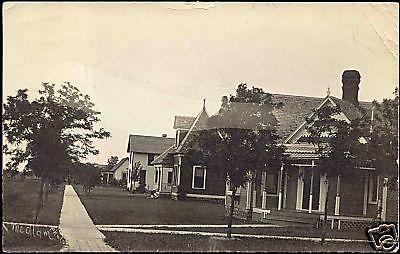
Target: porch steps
[{"x": 291, "y": 218}]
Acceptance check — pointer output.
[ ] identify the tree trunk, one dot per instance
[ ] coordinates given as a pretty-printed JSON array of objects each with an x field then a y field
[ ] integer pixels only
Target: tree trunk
[
  {"x": 231, "y": 208},
  {"x": 325, "y": 215},
  {"x": 39, "y": 203}
]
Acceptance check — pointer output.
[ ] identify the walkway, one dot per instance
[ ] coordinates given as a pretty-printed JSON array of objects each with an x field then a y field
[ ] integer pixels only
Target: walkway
[{"x": 77, "y": 228}]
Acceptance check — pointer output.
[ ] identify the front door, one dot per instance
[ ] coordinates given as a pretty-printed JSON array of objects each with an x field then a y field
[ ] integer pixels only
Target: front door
[{"x": 310, "y": 189}]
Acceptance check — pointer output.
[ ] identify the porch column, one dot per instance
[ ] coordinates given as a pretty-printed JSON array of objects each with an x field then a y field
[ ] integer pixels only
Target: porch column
[
  {"x": 248, "y": 195},
  {"x": 300, "y": 187},
  {"x": 384, "y": 198},
  {"x": 365, "y": 195},
  {"x": 285, "y": 190},
  {"x": 160, "y": 177},
  {"x": 280, "y": 188},
  {"x": 311, "y": 188},
  {"x": 108, "y": 178},
  {"x": 264, "y": 193},
  {"x": 337, "y": 199}
]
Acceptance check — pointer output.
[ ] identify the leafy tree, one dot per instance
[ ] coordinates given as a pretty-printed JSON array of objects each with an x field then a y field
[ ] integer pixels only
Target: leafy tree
[
  {"x": 240, "y": 141},
  {"x": 383, "y": 139},
  {"x": 50, "y": 133},
  {"x": 136, "y": 177},
  {"x": 340, "y": 145},
  {"x": 112, "y": 161}
]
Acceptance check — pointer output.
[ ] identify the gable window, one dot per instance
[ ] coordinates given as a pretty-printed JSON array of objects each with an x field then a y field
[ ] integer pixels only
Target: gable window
[
  {"x": 373, "y": 189},
  {"x": 199, "y": 177},
  {"x": 271, "y": 184}
]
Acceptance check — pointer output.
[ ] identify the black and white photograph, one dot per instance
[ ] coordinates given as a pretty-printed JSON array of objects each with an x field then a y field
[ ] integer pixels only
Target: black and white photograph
[{"x": 200, "y": 127}]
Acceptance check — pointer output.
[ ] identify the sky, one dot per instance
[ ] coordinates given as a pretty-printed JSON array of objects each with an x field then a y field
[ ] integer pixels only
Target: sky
[{"x": 144, "y": 63}]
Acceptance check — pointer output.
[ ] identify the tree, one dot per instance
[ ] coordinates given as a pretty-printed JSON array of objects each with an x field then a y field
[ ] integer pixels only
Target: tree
[
  {"x": 240, "y": 141},
  {"x": 340, "y": 145},
  {"x": 50, "y": 133},
  {"x": 136, "y": 176},
  {"x": 112, "y": 161},
  {"x": 384, "y": 139}
]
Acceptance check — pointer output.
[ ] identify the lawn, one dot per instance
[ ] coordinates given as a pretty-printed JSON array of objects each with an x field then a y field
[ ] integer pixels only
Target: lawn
[
  {"x": 19, "y": 202},
  {"x": 184, "y": 243},
  {"x": 108, "y": 205}
]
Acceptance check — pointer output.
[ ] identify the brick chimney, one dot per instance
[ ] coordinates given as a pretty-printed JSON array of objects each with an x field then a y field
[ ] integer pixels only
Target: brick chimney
[{"x": 350, "y": 79}]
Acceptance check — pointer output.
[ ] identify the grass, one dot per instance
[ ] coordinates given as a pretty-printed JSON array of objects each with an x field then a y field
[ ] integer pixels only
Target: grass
[
  {"x": 108, "y": 205},
  {"x": 111, "y": 206},
  {"x": 19, "y": 202},
  {"x": 185, "y": 243}
]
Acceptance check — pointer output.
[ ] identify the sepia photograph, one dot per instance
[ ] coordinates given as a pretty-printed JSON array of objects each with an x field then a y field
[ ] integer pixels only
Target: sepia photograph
[{"x": 200, "y": 127}]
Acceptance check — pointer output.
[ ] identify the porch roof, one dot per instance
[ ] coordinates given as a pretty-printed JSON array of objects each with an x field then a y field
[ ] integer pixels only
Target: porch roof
[{"x": 301, "y": 151}]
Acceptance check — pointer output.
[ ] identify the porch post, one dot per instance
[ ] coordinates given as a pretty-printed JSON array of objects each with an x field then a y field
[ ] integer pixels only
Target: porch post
[
  {"x": 264, "y": 193},
  {"x": 337, "y": 200},
  {"x": 160, "y": 175},
  {"x": 280, "y": 188},
  {"x": 300, "y": 187},
  {"x": 384, "y": 198},
  {"x": 108, "y": 178},
  {"x": 285, "y": 190},
  {"x": 248, "y": 195},
  {"x": 311, "y": 187},
  {"x": 365, "y": 195}
]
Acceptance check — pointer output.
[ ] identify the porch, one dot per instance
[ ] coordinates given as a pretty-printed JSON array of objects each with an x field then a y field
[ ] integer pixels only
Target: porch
[{"x": 296, "y": 195}]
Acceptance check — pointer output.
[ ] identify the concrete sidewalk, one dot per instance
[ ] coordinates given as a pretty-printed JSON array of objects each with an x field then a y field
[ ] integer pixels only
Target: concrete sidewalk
[{"x": 77, "y": 228}]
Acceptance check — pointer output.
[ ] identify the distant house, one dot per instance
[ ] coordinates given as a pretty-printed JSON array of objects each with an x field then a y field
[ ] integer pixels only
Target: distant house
[
  {"x": 120, "y": 170},
  {"x": 143, "y": 149}
]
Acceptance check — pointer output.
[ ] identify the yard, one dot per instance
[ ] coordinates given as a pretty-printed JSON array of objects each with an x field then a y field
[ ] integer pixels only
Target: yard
[
  {"x": 113, "y": 206},
  {"x": 19, "y": 202},
  {"x": 110, "y": 205},
  {"x": 185, "y": 243}
]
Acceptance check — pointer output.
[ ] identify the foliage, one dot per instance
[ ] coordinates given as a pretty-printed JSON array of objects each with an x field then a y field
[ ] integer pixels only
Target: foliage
[
  {"x": 58, "y": 123},
  {"x": 112, "y": 161},
  {"x": 383, "y": 139},
  {"x": 340, "y": 144},
  {"x": 87, "y": 174},
  {"x": 241, "y": 139}
]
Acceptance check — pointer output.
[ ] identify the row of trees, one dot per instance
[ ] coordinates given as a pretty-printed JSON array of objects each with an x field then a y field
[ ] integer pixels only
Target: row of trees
[{"x": 241, "y": 141}]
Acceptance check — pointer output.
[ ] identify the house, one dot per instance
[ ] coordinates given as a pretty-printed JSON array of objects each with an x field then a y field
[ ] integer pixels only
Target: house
[
  {"x": 295, "y": 194},
  {"x": 142, "y": 150},
  {"x": 181, "y": 176},
  {"x": 120, "y": 170}
]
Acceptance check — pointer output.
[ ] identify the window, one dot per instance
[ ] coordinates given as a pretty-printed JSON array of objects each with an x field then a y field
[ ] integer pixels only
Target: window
[
  {"x": 373, "y": 189},
  {"x": 150, "y": 158},
  {"x": 199, "y": 177},
  {"x": 271, "y": 184},
  {"x": 169, "y": 177}
]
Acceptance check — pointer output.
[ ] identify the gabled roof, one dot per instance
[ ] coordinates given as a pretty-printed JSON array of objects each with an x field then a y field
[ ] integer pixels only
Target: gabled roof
[
  {"x": 290, "y": 117},
  {"x": 164, "y": 158},
  {"x": 296, "y": 109},
  {"x": 119, "y": 164},
  {"x": 183, "y": 122},
  {"x": 200, "y": 123},
  {"x": 148, "y": 144}
]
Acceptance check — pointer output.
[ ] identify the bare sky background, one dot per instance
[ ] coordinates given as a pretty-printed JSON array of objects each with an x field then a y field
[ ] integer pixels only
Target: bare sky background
[{"x": 144, "y": 63}]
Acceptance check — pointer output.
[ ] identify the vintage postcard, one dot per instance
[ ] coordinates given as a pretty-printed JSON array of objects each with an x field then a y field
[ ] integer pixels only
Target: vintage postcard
[{"x": 200, "y": 127}]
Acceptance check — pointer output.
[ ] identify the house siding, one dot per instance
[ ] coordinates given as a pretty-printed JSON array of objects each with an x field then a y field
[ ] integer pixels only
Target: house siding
[
  {"x": 150, "y": 170},
  {"x": 214, "y": 185}
]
